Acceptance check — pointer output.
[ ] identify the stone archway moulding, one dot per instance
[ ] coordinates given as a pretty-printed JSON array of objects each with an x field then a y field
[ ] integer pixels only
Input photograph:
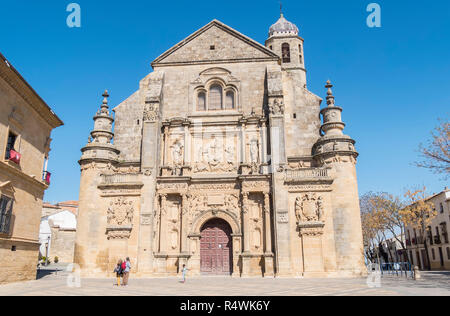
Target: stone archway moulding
[{"x": 213, "y": 214}]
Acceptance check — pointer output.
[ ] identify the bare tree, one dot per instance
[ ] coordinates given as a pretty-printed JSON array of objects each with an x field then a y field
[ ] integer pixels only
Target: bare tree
[
  {"x": 419, "y": 214},
  {"x": 389, "y": 208},
  {"x": 436, "y": 154}
]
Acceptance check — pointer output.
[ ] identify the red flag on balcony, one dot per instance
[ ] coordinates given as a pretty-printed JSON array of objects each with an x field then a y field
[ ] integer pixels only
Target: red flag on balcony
[
  {"x": 14, "y": 156},
  {"x": 47, "y": 177}
]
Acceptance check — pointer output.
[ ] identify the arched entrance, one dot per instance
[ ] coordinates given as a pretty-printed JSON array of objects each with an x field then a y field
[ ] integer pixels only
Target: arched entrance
[{"x": 216, "y": 248}]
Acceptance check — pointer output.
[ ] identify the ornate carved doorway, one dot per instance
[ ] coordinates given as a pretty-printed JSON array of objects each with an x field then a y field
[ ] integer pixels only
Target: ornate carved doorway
[{"x": 216, "y": 248}]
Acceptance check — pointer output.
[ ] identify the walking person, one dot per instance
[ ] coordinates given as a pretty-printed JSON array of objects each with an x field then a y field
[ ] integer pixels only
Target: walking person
[
  {"x": 126, "y": 272},
  {"x": 118, "y": 271},
  {"x": 184, "y": 271}
]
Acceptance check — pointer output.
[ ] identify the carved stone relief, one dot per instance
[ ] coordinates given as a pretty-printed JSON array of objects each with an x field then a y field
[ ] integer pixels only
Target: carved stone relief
[
  {"x": 214, "y": 156},
  {"x": 309, "y": 208},
  {"x": 151, "y": 112},
  {"x": 309, "y": 213},
  {"x": 120, "y": 212},
  {"x": 120, "y": 218}
]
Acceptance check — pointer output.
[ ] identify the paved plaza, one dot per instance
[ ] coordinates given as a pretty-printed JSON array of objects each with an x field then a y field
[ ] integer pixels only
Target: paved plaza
[{"x": 55, "y": 284}]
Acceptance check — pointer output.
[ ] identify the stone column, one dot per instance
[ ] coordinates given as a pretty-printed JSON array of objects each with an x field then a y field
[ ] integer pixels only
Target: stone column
[
  {"x": 246, "y": 220},
  {"x": 194, "y": 251},
  {"x": 184, "y": 222},
  {"x": 246, "y": 257},
  {"x": 243, "y": 144},
  {"x": 187, "y": 145},
  {"x": 264, "y": 142},
  {"x": 165, "y": 145},
  {"x": 237, "y": 249},
  {"x": 268, "y": 254}
]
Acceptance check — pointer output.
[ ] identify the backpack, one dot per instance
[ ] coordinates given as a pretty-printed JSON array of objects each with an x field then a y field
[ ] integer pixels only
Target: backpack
[{"x": 124, "y": 266}]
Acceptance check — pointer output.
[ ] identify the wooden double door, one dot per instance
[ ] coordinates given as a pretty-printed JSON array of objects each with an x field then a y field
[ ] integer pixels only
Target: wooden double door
[{"x": 216, "y": 248}]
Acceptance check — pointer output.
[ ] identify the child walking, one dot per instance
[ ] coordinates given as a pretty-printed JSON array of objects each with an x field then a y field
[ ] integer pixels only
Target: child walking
[
  {"x": 184, "y": 271},
  {"x": 119, "y": 272}
]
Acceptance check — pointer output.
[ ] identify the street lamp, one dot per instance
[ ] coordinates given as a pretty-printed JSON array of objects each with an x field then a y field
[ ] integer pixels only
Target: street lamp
[{"x": 46, "y": 250}]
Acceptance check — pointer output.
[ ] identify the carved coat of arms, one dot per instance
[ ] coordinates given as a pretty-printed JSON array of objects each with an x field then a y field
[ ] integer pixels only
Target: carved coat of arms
[
  {"x": 120, "y": 212},
  {"x": 309, "y": 208}
]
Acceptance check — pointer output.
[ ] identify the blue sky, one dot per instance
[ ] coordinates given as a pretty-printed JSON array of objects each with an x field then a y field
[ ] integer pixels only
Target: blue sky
[{"x": 393, "y": 82}]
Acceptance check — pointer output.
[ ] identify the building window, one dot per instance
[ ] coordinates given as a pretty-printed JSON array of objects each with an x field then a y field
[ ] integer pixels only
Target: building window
[
  {"x": 444, "y": 231},
  {"x": 286, "y": 53},
  {"x": 430, "y": 235},
  {"x": 433, "y": 253},
  {"x": 6, "y": 205},
  {"x": 448, "y": 253},
  {"x": 201, "y": 101},
  {"x": 12, "y": 138},
  {"x": 215, "y": 98},
  {"x": 441, "y": 208},
  {"x": 229, "y": 100},
  {"x": 300, "y": 55}
]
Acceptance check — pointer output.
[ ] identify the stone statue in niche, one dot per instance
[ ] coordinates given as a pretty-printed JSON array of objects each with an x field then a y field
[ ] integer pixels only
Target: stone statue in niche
[
  {"x": 177, "y": 153},
  {"x": 254, "y": 155},
  {"x": 229, "y": 155},
  {"x": 309, "y": 208},
  {"x": 254, "y": 151}
]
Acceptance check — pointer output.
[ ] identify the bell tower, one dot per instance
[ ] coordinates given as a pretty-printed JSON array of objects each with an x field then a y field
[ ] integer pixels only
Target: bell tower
[{"x": 285, "y": 42}]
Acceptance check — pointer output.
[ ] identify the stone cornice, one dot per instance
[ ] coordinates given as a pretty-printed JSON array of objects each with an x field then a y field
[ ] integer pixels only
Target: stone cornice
[
  {"x": 21, "y": 174},
  {"x": 22, "y": 88},
  {"x": 215, "y": 61}
]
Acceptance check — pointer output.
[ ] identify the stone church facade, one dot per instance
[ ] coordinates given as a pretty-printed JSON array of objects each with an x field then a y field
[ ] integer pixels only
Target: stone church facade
[{"x": 220, "y": 161}]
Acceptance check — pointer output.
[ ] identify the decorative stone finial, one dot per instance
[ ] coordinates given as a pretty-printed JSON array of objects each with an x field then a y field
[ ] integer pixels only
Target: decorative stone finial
[
  {"x": 105, "y": 96},
  {"x": 330, "y": 97},
  {"x": 104, "y": 106}
]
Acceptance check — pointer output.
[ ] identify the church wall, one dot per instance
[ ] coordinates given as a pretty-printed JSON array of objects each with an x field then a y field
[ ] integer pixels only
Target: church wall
[
  {"x": 179, "y": 98},
  {"x": 128, "y": 128},
  {"x": 306, "y": 107}
]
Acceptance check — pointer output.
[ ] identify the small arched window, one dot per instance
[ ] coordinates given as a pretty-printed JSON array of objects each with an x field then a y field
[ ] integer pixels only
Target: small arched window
[
  {"x": 286, "y": 53},
  {"x": 300, "y": 55},
  {"x": 201, "y": 101},
  {"x": 215, "y": 97},
  {"x": 229, "y": 100}
]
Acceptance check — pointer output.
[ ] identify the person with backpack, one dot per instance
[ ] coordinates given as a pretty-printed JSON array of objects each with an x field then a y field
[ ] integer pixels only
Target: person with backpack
[
  {"x": 118, "y": 271},
  {"x": 126, "y": 266}
]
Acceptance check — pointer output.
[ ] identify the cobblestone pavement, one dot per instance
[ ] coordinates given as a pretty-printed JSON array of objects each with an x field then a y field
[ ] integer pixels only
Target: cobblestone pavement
[{"x": 50, "y": 283}]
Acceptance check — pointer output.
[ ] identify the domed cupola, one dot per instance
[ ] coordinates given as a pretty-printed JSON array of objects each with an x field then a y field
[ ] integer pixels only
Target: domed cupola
[{"x": 283, "y": 28}]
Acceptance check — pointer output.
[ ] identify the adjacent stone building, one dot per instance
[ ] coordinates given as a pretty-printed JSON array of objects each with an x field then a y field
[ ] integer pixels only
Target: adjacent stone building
[
  {"x": 57, "y": 231},
  {"x": 437, "y": 239},
  {"x": 26, "y": 123},
  {"x": 220, "y": 161}
]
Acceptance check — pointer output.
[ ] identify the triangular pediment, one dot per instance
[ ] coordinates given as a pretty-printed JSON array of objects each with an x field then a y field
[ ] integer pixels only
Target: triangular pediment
[{"x": 215, "y": 42}]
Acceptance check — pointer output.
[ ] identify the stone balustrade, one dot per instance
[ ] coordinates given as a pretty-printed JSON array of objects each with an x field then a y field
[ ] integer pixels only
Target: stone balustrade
[
  {"x": 307, "y": 173},
  {"x": 121, "y": 178}
]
